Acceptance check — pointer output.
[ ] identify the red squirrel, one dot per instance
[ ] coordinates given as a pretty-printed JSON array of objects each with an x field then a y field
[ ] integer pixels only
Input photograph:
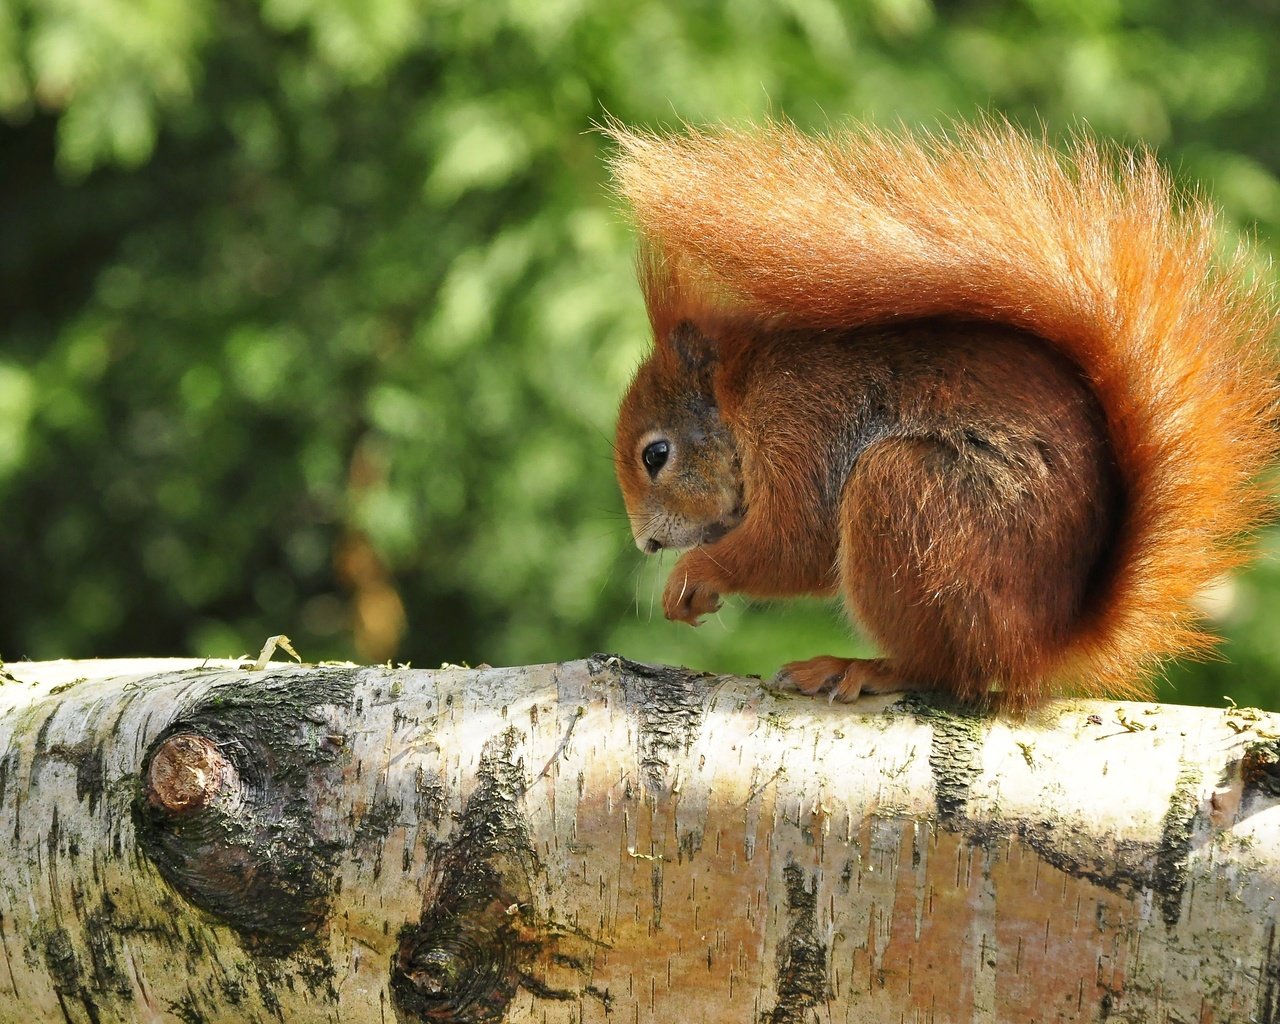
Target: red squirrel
[{"x": 1011, "y": 403}]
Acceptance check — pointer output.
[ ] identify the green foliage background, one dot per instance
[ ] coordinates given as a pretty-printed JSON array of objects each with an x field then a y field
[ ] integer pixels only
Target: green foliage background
[{"x": 277, "y": 273}]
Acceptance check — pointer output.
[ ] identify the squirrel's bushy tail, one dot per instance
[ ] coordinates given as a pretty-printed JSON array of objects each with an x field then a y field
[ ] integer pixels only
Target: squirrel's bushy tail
[{"x": 1095, "y": 252}]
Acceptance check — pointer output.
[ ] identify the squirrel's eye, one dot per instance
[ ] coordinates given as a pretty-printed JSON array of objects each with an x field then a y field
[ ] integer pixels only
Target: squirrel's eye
[{"x": 655, "y": 455}]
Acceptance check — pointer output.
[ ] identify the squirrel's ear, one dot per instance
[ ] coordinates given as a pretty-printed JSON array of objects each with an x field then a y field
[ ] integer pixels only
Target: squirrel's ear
[{"x": 696, "y": 352}]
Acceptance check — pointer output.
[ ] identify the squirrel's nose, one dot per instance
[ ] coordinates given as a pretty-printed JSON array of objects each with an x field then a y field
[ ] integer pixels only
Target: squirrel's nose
[{"x": 651, "y": 545}]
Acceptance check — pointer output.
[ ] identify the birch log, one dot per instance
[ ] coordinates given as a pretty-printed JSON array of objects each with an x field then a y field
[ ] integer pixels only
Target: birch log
[{"x": 601, "y": 841}]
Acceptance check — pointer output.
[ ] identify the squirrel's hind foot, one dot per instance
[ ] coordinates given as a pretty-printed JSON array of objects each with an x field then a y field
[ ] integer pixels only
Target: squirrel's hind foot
[{"x": 842, "y": 679}]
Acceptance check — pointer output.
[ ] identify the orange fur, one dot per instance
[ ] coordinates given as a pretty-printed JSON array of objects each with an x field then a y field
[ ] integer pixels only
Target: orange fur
[{"x": 768, "y": 233}]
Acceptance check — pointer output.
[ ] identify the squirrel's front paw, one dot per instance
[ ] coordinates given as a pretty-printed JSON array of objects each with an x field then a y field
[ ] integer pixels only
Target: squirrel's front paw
[{"x": 688, "y": 595}]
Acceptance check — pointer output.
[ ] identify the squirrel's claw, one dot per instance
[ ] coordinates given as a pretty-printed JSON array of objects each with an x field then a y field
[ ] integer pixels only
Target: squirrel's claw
[
  {"x": 842, "y": 679},
  {"x": 687, "y": 598}
]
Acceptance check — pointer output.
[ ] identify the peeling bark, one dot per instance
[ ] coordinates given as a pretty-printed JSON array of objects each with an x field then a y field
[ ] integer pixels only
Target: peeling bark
[{"x": 603, "y": 841}]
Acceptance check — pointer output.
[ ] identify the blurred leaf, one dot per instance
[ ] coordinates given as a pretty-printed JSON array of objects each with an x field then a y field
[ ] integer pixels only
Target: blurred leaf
[
  {"x": 17, "y": 404},
  {"x": 111, "y": 66}
]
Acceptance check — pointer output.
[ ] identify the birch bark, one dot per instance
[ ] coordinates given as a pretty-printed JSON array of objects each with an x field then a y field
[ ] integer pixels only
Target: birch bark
[{"x": 600, "y": 841}]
